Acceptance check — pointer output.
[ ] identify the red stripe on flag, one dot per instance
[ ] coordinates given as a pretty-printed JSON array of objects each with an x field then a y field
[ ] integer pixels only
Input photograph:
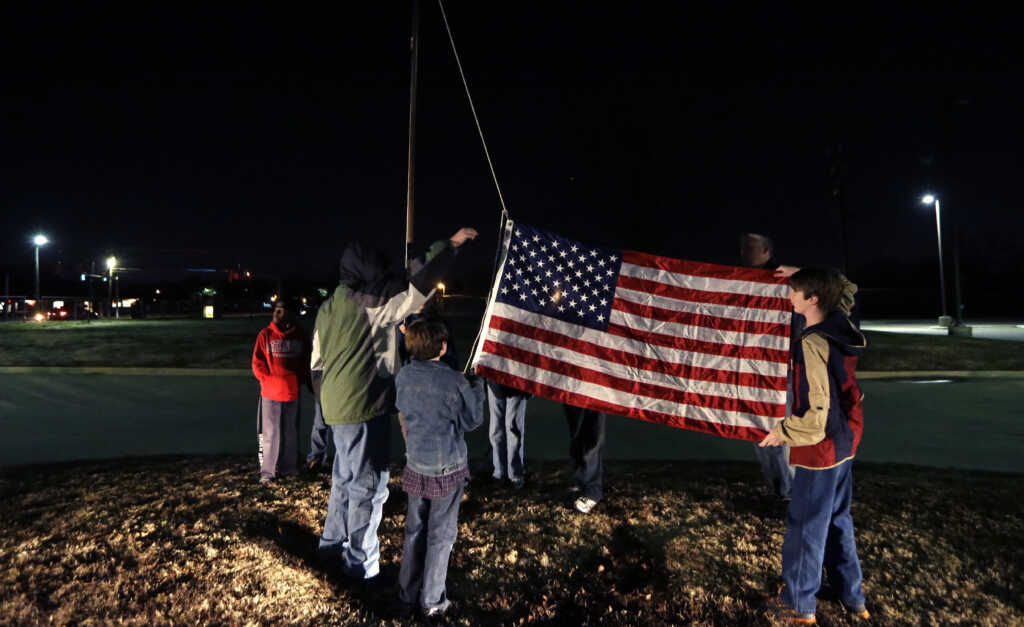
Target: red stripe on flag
[
  {"x": 699, "y": 320},
  {"x": 637, "y": 361},
  {"x": 699, "y": 346},
  {"x": 760, "y": 408},
  {"x": 750, "y": 434},
  {"x": 710, "y": 270},
  {"x": 703, "y": 296}
]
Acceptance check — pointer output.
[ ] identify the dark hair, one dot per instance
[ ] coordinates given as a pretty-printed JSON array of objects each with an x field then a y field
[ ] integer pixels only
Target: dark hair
[
  {"x": 825, "y": 283},
  {"x": 424, "y": 338},
  {"x": 289, "y": 304},
  {"x": 764, "y": 239}
]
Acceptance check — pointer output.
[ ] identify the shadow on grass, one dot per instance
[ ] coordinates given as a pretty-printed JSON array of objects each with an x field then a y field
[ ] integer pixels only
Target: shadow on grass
[{"x": 377, "y": 595}]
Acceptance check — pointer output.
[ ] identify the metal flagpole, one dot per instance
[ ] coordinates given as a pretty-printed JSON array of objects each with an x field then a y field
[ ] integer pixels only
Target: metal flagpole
[{"x": 410, "y": 198}]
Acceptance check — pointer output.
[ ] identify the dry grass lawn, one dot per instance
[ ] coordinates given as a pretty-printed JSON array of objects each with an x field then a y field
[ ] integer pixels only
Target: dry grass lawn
[{"x": 197, "y": 541}]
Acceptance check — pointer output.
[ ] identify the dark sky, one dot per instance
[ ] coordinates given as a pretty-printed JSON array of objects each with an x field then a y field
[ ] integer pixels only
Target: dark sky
[{"x": 269, "y": 137}]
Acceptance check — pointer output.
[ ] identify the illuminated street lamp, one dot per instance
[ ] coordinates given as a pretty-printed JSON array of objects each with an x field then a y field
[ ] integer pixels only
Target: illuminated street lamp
[
  {"x": 440, "y": 286},
  {"x": 111, "y": 264},
  {"x": 38, "y": 240},
  {"x": 928, "y": 200}
]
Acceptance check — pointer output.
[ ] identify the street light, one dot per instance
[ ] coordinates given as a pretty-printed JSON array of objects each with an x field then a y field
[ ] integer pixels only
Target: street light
[
  {"x": 38, "y": 240},
  {"x": 440, "y": 286},
  {"x": 928, "y": 200},
  {"x": 111, "y": 264}
]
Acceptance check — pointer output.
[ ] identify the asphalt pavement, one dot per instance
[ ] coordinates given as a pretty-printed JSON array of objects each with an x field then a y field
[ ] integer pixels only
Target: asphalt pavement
[
  {"x": 48, "y": 418},
  {"x": 1007, "y": 330}
]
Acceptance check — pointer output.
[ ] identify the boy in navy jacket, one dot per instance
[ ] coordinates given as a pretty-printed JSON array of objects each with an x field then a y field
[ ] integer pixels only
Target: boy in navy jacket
[{"x": 823, "y": 431}]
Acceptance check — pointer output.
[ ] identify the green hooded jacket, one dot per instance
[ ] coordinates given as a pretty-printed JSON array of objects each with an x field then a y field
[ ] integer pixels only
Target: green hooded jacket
[{"x": 355, "y": 342}]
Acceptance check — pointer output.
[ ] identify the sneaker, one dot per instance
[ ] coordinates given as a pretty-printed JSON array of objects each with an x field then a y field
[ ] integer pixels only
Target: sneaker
[
  {"x": 517, "y": 484},
  {"x": 265, "y": 478},
  {"x": 779, "y": 609},
  {"x": 857, "y": 611},
  {"x": 437, "y": 610},
  {"x": 584, "y": 504}
]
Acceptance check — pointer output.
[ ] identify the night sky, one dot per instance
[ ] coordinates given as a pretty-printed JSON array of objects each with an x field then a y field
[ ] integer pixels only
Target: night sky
[{"x": 269, "y": 137}]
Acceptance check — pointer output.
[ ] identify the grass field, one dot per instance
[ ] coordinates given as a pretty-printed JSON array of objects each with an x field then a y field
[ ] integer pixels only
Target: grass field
[
  {"x": 197, "y": 541},
  {"x": 194, "y": 540},
  {"x": 228, "y": 343}
]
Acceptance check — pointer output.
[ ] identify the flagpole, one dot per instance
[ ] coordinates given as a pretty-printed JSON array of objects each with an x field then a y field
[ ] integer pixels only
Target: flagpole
[{"x": 410, "y": 196}]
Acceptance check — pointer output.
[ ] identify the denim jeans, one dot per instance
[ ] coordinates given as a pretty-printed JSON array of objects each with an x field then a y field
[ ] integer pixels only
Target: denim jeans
[
  {"x": 776, "y": 469},
  {"x": 359, "y": 488},
  {"x": 280, "y": 434},
  {"x": 431, "y": 526},
  {"x": 774, "y": 460},
  {"x": 586, "y": 444},
  {"x": 507, "y": 430},
  {"x": 319, "y": 437},
  {"x": 819, "y": 531}
]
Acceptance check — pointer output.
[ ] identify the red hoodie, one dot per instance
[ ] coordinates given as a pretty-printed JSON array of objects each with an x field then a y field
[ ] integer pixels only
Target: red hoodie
[{"x": 281, "y": 362}]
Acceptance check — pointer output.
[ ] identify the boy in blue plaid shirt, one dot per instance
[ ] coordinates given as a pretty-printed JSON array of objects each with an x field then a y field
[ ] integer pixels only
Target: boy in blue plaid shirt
[{"x": 436, "y": 405}]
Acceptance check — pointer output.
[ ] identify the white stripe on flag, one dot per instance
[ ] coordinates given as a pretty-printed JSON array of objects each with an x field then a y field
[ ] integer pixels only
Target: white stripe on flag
[
  {"x": 706, "y": 284},
  {"x": 749, "y": 314},
  {"x": 630, "y": 373},
  {"x": 703, "y": 334},
  {"x": 717, "y": 362},
  {"x": 626, "y": 399}
]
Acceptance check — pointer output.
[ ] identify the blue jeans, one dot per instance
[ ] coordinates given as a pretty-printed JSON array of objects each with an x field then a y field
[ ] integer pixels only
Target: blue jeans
[
  {"x": 320, "y": 436},
  {"x": 776, "y": 469},
  {"x": 431, "y": 526},
  {"x": 507, "y": 430},
  {"x": 359, "y": 488},
  {"x": 819, "y": 531},
  {"x": 586, "y": 447},
  {"x": 774, "y": 460}
]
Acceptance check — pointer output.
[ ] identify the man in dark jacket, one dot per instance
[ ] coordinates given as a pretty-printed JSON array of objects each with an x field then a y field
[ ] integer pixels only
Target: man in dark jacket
[{"x": 756, "y": 252}]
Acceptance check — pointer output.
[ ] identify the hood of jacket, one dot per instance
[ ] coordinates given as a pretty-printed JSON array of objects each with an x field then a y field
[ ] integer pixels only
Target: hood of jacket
[
  {"x": 838, "y": 328},
  {"x": 361, "y": 264}
]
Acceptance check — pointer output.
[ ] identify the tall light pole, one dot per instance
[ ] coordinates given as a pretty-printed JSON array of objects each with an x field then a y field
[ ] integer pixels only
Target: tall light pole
[
  {"x": 38, "y": 240},
  {"x": 928, "y": 200},
  {"x": 111, "y": 263}
]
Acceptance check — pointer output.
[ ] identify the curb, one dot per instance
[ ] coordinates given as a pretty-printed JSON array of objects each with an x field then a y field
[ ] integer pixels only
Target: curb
[
  {"x": 178, "y": 372},
  {"x": 945, "y": 374},
  {"x": 243, "y": 372}
]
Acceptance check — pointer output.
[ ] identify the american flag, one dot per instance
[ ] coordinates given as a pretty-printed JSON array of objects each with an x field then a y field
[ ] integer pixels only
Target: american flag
[{"x": 691, "y": 345}]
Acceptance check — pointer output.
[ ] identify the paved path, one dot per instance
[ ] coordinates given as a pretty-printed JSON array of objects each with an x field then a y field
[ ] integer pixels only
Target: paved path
[
  {"x": 1012, "y": 331},
  {"x": 971, "y": 423}
]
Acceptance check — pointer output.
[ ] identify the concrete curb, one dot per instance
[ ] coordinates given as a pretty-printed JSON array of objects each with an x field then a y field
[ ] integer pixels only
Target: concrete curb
[
  {"x": 242, "y": 372},
  {"x": 156, "y": 372},
  {"x": 944, "y": 374}
]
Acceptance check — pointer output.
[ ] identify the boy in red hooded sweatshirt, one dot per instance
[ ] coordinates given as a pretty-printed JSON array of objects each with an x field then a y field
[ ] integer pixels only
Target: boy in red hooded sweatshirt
[{"x": 280, "y": 361}]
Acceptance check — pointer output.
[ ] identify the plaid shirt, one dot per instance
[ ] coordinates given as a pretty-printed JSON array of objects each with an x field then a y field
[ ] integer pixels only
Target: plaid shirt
[{"x": 428, "y": 487}]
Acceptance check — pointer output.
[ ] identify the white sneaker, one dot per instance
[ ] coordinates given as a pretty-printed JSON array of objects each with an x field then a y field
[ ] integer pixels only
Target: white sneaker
[
  {"x": 584, "y": 504},
  {"x": 437, "y": 610}
]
